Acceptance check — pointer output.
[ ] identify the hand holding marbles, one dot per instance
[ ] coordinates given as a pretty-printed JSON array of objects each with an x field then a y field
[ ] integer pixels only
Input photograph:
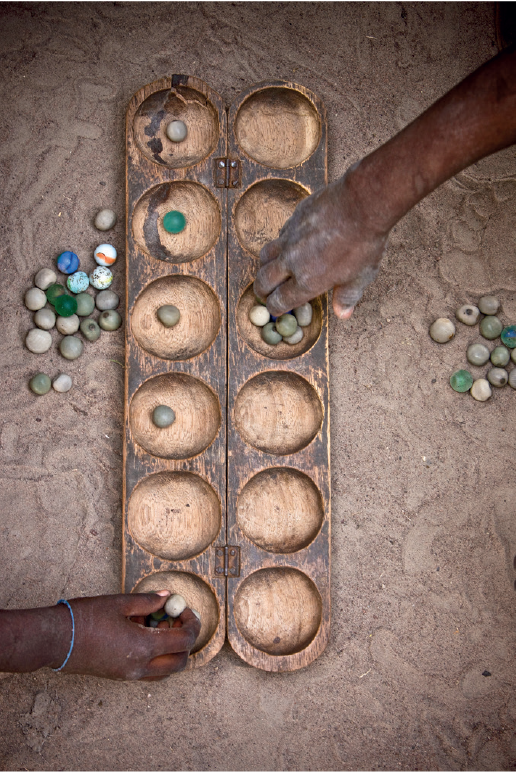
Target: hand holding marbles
[
  {"x": 105, "y": 255},
  {"x": 175, "y": 605}
]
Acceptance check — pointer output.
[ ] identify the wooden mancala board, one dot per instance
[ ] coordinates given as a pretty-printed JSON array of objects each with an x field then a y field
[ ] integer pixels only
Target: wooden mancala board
[{"x": 230, "y": 505}]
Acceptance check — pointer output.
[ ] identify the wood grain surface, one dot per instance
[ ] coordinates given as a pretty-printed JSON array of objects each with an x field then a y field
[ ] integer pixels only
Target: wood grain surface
[{"x": 274, "y": 400}]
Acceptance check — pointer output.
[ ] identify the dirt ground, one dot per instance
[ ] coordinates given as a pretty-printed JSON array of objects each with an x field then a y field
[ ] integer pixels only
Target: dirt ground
[{"x": 423, "y": 517}]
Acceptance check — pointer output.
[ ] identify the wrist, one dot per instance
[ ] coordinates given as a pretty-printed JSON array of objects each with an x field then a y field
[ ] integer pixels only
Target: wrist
[
  {"x": 374, "y": 208},
  {"x": 34, "y": 638}
]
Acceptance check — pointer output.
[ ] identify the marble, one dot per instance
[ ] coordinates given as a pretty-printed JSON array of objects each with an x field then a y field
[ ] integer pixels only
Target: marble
[
  {"x": 38, "y": 341},
  {"x": 67, "y": 325},
  {"x": 176, "y": 131},
  {"x": 174, "y": 222},
  {"x": 55, "y": 291},
  {"x": 500, "y": 356},
  {"x": 62, "y": 383},
  {"x": 40, "y": 384},
  {"x": 101, "y": 278},
  {"x": 175, "y": 606},
  {"x": 45, "y": 318},
  {"x": 68, "y": 262},
  {"x": 71, "y": 347},
  {"x": 497, "y": 376},
  {"x": 65, "y": 305},
  {"x": 90, "y": 330},
  {"x": 508, "y": 336},
  {"x": 105, "y": 220},
  {"x": 489, "y": 305},
  {"x": 163, "y": 416},
  {"x": 490, "y": 327},
  {"x": 85, "y": 304},
  {"x": 168, "y": 315},
  {"x": 270, "y": 334},
  {"x": 107, "y": 300},
  {"x": 105, "y": 255},
  {"x": 461, "y": 381},
  {"x": 110, "y": 320},
  {"x": 481, "y": 390},
  {"x": 442, "y": 330},
  {"x": 78, "y": 282},
  {"x": 477, "y": 354},
  {"x": 467, "y": 314},
  {"x": 259, "y": 316},
  {"x": 35, "y": 299},
  {"x": 303, "y": 314},
  {"x": 286, "y": 325},
  {"x": 44, "y": 278}
]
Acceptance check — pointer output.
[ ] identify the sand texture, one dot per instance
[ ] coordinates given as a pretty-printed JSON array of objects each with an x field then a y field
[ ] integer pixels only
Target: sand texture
[{"x": 423, "y": 508}]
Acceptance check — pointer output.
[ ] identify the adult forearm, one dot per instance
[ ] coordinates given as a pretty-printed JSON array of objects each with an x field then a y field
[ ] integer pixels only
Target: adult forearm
[
  {"x": 473, "y": 120},
  {"x": 34, "y": 638}
]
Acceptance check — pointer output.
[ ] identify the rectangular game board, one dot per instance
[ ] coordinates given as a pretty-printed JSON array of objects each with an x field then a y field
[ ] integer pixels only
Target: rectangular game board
[{"x": 230, "y": 505}]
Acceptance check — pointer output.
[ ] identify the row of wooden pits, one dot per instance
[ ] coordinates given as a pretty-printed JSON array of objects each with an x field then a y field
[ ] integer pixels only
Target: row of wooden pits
[
  {"x": 278, "y": 610},
  {"x": 277, "y": 127},
  {"x": 258, "y": 216}
]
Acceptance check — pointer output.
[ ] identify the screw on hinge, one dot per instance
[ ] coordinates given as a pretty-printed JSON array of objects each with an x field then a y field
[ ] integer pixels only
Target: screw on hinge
[
  {"x": 234, "y": 164},
  {"x": 222, "y": 164}
]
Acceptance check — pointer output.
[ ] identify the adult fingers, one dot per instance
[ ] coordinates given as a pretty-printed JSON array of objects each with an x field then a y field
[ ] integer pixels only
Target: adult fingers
[
  {"x": 286, "y": 297},
  {"x": 165, "y": 665},
  {"x": 270, "y": 276},
  {"x": 178, "y": 639},
  {"x": 346, "y": 296},
  {"x": 270, "y": 251},
  {"x": 143, "y": 604}
]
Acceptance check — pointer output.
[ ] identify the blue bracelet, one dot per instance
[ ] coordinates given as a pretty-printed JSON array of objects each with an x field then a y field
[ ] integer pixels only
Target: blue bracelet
[{"x": 57, "y": 669}]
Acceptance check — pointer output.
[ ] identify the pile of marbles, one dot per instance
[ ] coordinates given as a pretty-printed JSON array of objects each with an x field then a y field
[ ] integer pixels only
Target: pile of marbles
[
  {"x": 69, "y": 308},
  {"x": 478, "y": 354},
  {"x": 287, "y": 327}
]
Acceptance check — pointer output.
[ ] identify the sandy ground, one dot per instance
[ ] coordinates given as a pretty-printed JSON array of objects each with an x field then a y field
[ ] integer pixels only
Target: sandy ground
[{"x": 424, "y": 531}]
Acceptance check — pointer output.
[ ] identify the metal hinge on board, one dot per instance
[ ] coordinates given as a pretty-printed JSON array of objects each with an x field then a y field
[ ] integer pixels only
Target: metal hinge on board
[
  {"x": 227, "y": 173},
  {"x": 227, "y": 561}
]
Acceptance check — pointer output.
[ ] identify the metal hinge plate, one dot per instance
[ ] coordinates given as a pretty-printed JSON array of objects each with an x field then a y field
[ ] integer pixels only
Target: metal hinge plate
[
  {"x": 227, "y": 173},
  {"x": 227, "y": 561}
]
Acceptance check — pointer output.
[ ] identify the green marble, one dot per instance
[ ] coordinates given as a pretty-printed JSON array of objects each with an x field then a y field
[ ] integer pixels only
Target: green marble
[
  {"x": 65, "y": 305},
  {"x": 286, "y": 325},
  {"x": 163, "y": 416},
  {"x": 461, "y": 381},
  {"x": 85, "y": 304},
  {"x": 40, "y": 384},
  {"x": 490, "y": 327},
  {"x": 174, "y": 222},
  {"x": 55, "y": 291},
  {"x": 500, "y": 356},
  {"x": 508, "y": 336},
  {"x": 270, "y": 335},
  {"x": 90, "y": 330},
  {"x": 110, "y": 320}
]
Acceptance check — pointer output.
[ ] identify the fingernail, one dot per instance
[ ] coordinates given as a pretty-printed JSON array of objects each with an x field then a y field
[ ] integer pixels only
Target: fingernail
[{"x": 163, "y": 593}]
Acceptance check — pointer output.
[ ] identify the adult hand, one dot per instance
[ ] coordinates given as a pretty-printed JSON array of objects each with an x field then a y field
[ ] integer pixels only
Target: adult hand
[
  {"x": 111, "y": 641},
  {"x": 329, "y": 242}
]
